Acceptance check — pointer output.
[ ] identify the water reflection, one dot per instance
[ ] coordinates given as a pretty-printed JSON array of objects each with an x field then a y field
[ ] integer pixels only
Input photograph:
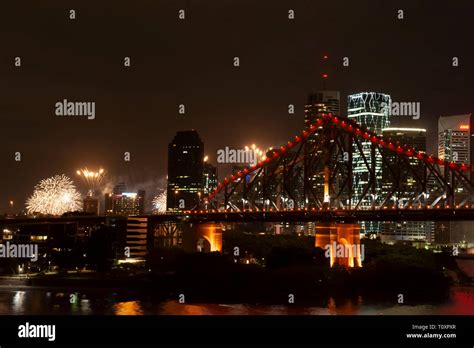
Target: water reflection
[
  {"x": 128, "y": 308},
  {"x": 18, "y": 302},
  {"x": 36, "y": 301}
]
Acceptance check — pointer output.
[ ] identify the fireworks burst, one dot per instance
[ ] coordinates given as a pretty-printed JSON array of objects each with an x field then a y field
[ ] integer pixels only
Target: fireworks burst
[
  {"x": 92, "y": 179},
  {"x": 54, "y": 196},
  {"x": 159, "y": 203},
  {"x": 259, "y": 153}
]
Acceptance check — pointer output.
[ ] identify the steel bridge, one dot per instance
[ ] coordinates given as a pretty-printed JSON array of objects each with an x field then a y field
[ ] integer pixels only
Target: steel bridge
[{"x": 313, "y": 176}]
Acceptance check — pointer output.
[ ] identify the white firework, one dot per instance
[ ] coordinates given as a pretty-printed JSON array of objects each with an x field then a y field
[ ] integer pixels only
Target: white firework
[
  {"x": 159, "y": 203},
  {"x": 54, "y": 196}
]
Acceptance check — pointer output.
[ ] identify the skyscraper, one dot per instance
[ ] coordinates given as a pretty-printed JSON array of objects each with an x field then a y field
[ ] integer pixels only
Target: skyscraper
[
  {"x": 209, "y": 178},
  {"x": 120, "y": 188},
  {"x": 409, "y": 231},
  {"x": 371, "y": 110},
  {"x": 185, "y": 171},
  {"x": 455, "y": 142},
  {"x": 319, "y": 103},
  {"x": 125, "y": 203}
]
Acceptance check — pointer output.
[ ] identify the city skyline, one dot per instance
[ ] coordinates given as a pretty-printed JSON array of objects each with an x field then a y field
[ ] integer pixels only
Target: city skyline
[
  {"x": 228, "y": 108},
  {"x": 312, "y": 161},
  {"x": 157, "y": 184}
]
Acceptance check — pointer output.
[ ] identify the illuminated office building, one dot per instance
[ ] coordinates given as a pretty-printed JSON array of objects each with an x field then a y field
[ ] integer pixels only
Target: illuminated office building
[
  {"x": 404, "y": 231},
  {"x": 125, "y": 203},
  {"x": 319, "y": 103},
  {"x": 185, "y": 171},
  {"x": 370, "y": 110}
]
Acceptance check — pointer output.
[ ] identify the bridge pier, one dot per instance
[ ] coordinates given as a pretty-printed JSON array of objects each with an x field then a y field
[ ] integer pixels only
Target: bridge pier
[
  {"x": 205, "y": 237},
  {"x": 341, "y": 243}
]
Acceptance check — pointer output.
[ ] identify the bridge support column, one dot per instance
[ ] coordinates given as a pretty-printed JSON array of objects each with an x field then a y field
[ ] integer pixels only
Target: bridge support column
[{"x": 341, "y": 242}]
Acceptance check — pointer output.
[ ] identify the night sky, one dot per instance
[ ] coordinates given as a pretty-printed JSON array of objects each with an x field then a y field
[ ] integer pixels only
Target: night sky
[{"x": 191, "y": 62}]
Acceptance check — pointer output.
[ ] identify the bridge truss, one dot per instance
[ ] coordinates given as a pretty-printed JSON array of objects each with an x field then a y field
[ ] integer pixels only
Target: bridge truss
[{"x": 317, "y": 170}]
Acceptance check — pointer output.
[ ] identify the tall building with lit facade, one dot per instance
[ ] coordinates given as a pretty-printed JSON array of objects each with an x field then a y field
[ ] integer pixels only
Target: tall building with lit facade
[
  {"x": 125, "y": 203},
  {"x": 371, "y": 110},
  {"x": 404, "y": 231},
  {"x": 455, "y": 144},
  {"x": 185, "y": 171},
  {"x": 209, "y": 178},
  {"x": 319, "y": 103}
]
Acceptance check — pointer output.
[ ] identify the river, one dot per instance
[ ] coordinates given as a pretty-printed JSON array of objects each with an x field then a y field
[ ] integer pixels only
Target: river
[{"x": 41, "y": 301}]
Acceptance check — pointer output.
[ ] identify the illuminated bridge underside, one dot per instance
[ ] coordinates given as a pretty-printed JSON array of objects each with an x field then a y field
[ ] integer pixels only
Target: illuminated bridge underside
[
  {"x": 349, "y": 216},
  {"x": 315, "y": 171}
]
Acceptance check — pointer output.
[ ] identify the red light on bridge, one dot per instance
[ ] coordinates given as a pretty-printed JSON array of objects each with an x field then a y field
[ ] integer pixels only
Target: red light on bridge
[
  {"x": 452, "y": 165},
  {"x": 325, "y": 76},
  {"x": 325, "y": 57}
]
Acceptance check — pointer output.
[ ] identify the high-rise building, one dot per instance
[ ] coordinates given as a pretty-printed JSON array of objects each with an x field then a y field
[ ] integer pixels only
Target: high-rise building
[
  {"x": 209, "y": 178},
  {"x": 455, "y": 144},
  {"x": 414, "y": 138},
  {"x": 125, "y": 203},
  {"x": 185, "y": 171},
  {"x": 120, "y": 188},
  {"x": 319, "y": 103},
  {"x": 370, "y": 110},
  {"x": 408, "y": 231}
]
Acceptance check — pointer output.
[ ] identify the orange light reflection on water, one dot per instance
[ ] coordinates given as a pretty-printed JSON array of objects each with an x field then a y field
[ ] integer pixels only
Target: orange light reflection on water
[{"x": 128, "y": 308}]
